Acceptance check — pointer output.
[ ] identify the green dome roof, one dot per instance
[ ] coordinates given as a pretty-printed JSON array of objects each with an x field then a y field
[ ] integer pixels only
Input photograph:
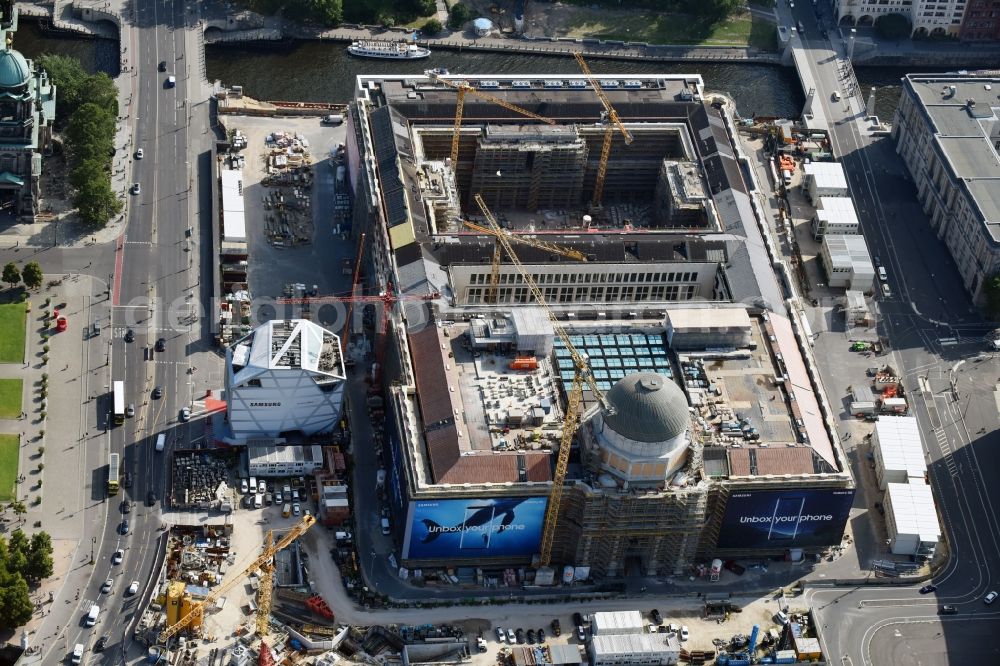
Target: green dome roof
[
  {"x": 648, "y": 407},
  {"x": 14, "y": 70}
]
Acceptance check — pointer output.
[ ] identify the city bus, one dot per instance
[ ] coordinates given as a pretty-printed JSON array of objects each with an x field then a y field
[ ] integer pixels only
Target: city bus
[
  {"x": 114, "y": 472},
  {"x": 119, "y": 389}
]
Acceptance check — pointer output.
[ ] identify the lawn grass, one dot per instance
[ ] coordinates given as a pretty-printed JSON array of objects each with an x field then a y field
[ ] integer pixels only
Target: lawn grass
[
  {"x": 9, "y": 445},
  {"x": 12, "y": 325},
  {"x": 743, "y": 29},
  {"x": 10, "y": 398}
]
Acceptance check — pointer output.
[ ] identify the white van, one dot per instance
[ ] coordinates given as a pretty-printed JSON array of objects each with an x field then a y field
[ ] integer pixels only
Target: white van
[
  {"x": 95, "y": 610},
  {"x": 77, "y": 654},
  {"x": 253, "y": 484},
  {"x": 161, "y": 441},
  {"x": 882, "y": 275},
  {"x": 258, "y": 501}
]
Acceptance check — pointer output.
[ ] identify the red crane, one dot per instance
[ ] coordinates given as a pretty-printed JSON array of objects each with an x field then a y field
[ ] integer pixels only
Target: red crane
[{"x": 388, "y": 301}]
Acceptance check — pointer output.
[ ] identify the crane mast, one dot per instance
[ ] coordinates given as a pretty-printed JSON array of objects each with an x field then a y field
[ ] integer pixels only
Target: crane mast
[
  {"x": 582, "y": 376},
  {"x": 493, "y": 291},
  {"x": 464, "y": 89},
  {"x": 198, "y": 610},
  {"x": 613, "y": 122}
]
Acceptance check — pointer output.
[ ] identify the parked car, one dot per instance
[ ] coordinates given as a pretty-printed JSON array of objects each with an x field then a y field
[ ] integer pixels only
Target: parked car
[
  {"x": 656, "y": 617},
  {"x": 530, "y": 636},
  {"x": 580, "y": 634},
  {"x": 501, "y": 635},
  {"x": 296, "y": 509},
  {"x": 541, "y": 635},
  {"x": 927, "y": 589},
  {"x": 684, "y": 632},
  {"x": 510, "y": 636},
  {"x": 577, "y": 619},
  {"x": 556, "y": 629},
  {"x": 519, "y": 634}
]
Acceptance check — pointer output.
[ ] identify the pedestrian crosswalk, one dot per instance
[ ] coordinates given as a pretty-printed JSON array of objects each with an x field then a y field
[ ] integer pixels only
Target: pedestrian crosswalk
[{"x": 945, "y": 445}]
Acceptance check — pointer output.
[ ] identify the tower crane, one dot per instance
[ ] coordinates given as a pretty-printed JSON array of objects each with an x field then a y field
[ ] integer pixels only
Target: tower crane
[
  {"x": 463, "y": 88},
  {"x": 198, "y": 609},
  {"x": 492, "y": 294},
  {"x": 613, "y": 122},
  {"x": 582, "y": 375},
  {"x": 387, "y": 299}
]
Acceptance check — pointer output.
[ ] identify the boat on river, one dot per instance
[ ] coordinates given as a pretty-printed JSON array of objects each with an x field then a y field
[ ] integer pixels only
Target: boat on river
[{"x": 388, "y": 50}]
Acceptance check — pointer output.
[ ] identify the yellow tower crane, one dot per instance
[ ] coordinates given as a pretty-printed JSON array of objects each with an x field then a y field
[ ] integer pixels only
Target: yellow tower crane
[
  {"x": 581, "y": 376},
  {"x": 464, "y": 88},
  {"x": 491, "y": 295},
  {"x": 197, "y": 611},
  {"x": 612, "y": 123}
]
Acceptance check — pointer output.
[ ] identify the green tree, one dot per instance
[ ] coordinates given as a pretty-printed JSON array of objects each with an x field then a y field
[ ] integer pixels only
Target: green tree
[
  {"x": 714, "y": 9},
  {"x": 39, "y": 564},
  {"x": 329, "y": 13},
  {"x": 10, "y": 274},
  {"x": 90, "y": 134},
  {"x": 68, "y": 75},
  {"x": 101, "y": 90},
  {"x": 893, "y": 26},
  {"x": 16, "y": 608},
  {"x": 97, "y": 203},
  {"x": 32, "y": 275},
  {"x": 19, "y": 510},
  {"x": 458, "y": 16},
  {"x": 432, "y": 27}
]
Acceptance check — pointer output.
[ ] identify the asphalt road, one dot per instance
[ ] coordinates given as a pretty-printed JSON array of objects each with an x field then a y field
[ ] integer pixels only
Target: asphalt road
[
  {"x": 936, "y": 335},
  {"x": 155, "y": 281}
]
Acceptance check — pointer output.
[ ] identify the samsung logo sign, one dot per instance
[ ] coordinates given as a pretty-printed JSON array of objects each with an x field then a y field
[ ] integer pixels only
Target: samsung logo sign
[
  {"x": 805, "y": 518},
  {"x": 265, "y": 404}
]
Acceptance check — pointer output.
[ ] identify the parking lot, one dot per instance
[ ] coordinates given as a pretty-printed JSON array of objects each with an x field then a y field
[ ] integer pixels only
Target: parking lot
[{"x": 701, "y": 631}]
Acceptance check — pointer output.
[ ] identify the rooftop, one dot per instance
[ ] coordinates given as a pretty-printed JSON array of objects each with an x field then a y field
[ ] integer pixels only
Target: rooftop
[
  {"x": 262, "y": 454},
  {"x": 913, "y": 510},
  {"x": 828, "y": 175},
  {"x": 849, "y": 252},
  {"x": 292, "y": 344},
  {"x": 899, "y": 442},
  {"x": 963, "y": 113},
  {"x": 837, "y": 210}
]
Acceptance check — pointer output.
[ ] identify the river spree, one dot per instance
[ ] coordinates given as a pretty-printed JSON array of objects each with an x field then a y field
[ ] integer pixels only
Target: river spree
[{"x": 323, "y": 72}]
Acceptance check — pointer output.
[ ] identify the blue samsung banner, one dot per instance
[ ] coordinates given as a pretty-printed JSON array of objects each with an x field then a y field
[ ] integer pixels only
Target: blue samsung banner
[
  {"x": 470, "y": 528},
  {"x": 785, "y": 519}
]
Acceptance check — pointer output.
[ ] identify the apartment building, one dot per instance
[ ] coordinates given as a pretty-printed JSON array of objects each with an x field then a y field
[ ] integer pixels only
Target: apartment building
[
  {"x": 927, "y": 17},
  {"x": 947, "y": 132},
  {"x": 981, "y": 22}
]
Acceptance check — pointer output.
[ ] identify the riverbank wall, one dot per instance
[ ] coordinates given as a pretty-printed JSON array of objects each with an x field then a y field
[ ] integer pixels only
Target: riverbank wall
[{"x": 93, "y": 18}]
